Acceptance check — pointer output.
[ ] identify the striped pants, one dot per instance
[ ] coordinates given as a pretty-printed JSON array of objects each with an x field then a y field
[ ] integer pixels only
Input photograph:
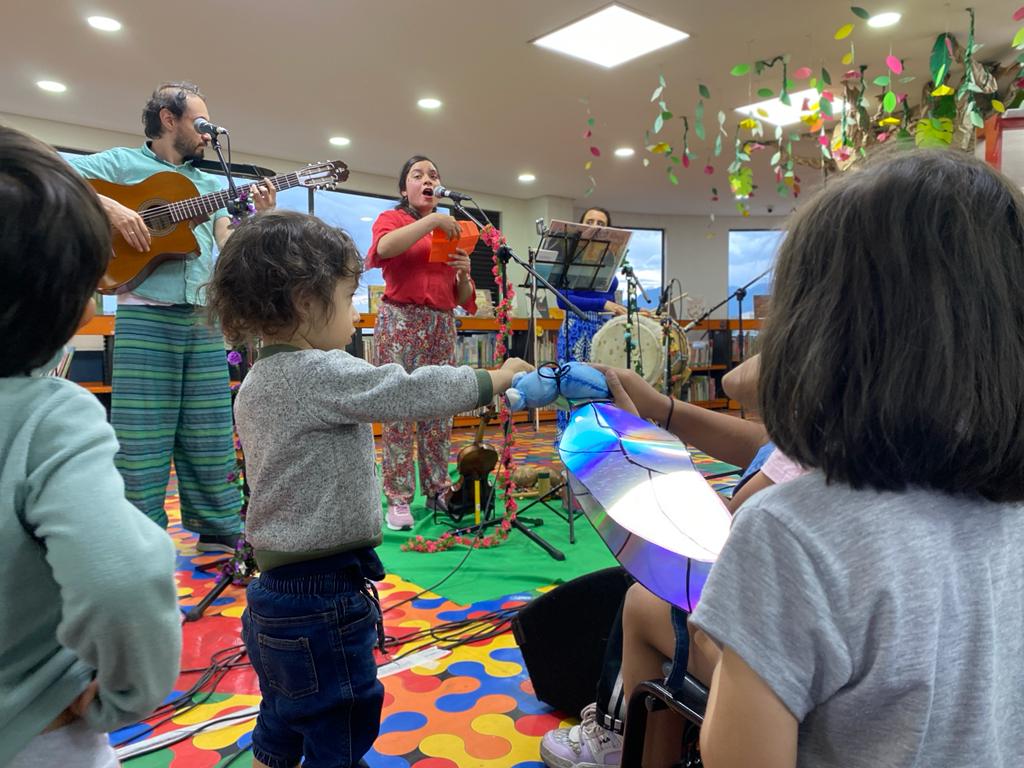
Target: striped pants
[
  {"x": 171, "y": 398},
  {"x": 413, "y": 335}
]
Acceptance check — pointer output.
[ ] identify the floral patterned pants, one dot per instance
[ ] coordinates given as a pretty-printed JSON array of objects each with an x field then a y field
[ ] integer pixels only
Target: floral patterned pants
[{"x": 414, "y": 335}]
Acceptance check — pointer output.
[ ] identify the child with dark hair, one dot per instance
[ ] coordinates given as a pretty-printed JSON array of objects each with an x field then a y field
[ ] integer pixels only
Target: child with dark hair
[
  {"x": 88, "y": 607},
  {"x": 304, "y": 413},
  {"x": 870, "y": 612}
]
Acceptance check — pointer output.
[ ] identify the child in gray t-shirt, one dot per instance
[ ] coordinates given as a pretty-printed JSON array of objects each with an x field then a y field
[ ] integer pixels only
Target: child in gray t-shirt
[
  {"x": 871, "y": 613},
  {"x": 304, "y": 417}
]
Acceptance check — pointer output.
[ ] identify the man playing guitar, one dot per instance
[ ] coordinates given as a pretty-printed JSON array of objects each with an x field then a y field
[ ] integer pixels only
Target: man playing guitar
[{"x": 171, "y": 395}]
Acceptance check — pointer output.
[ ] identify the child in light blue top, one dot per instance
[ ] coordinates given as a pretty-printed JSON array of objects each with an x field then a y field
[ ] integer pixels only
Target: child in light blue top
[{"x": 88, "y": 607}]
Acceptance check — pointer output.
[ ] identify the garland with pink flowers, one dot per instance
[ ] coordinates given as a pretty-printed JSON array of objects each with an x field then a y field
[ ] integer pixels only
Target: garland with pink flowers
[{"x": 493, "y": 238}]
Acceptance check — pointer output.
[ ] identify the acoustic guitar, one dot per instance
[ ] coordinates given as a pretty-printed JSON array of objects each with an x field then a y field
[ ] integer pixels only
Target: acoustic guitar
[
  {"x": 475, "y": 462},
  {"x": 169, "y": 204}
]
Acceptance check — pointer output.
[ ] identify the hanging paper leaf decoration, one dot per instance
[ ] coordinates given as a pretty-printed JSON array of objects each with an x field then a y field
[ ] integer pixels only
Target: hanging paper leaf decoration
[
  {"x": 826, "y": 78},
  {"x": 762, "y": 112},
  {"x": 659, "y": 121},
  {"x": 765, "y": 93},
  {"x": 588, "y": 165},
  {"x": 1018, "y": 15},
  {"x": 595, "y": 151},
  {"x": 739, "y": 70},
  {"x": 882, "y": 81},
  {"x": 698, "y": 127},
  {"x": 661, "y": 148},
  {"x": 894, "y": 64},
  {"x": 775, "y": 158},
  {"x": 587, "y": 134},
  {"x": 721, "y": 121},
  {"x": 843, "y": 32},
  {"x": 907, "y": 79},
  {"x": 1018, "y": 39},
  {"x": 939, "y": 60},
  {"x": 847, "y": 58},
  {"x": 718, "y": 145},
  {"x": 889, "y": 102},
  {"x": 590, "y": 122},
  {"x": 709, "y": 169},
  {"x": 860, "y": 12},
  {"x": 784, "y": 98},
  {"x": 703, "y": 90},
  {"x": 976, "y": 120},
  {"x": 802, "y": 73},
  {"x": 657, "y": 92},
  {"x": 647, "y": 162},
  {"x": 998, "y": 106},
  {"x": 672, "y": 175},
  {"x": 826, "y": 107},
  {"x": 943, "y": 90}
]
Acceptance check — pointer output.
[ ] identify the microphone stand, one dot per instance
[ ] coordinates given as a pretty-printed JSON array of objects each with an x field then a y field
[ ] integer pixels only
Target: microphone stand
[
  {"x": 238, "y": 203},
  {"x": 505, "y": 254}
]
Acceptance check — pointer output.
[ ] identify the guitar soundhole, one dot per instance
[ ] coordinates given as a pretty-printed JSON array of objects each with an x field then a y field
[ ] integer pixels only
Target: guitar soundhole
[{"x": 160, "y": 224}]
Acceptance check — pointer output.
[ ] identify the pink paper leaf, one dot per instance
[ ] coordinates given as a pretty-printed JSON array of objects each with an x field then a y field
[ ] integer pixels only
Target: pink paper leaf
[
  {"x": 595, "y": 151},
  {"x": 1018, "y": 15},
  {"x": 894, "y": 64},
  {"x": 803, "y": 73},
  {"x": 587, "y": 134}
]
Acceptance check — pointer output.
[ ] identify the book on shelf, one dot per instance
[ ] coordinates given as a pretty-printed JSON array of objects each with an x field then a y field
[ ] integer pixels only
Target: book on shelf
[
  {"x": 701, "y": 388},
  {"x": 700, "y": 353},
  {"x": 375, "y": 293},
  {"x": 60, "y": 370}
]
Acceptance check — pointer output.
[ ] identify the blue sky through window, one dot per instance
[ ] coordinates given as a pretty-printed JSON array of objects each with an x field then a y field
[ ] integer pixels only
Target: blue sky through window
[{"x": 751, "y": 252}]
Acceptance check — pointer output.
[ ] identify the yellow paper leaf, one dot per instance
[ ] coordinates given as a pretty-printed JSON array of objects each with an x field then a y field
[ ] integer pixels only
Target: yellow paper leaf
[
  {"x": 848, "y": 58},
  {"x": 998, "y": 106},
  {"x": 587, "y": 165},
  {"x": 661, "y": 148},
  {"x": 942, "y": 90},
  {"x": 889, "y": 121},
  {"x": 748, "y": 123},
  {"x": 762, "y": 112},
  {"x": 843, "y": 32}
]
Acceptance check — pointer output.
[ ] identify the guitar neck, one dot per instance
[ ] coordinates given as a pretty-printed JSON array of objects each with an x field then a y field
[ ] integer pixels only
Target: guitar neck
[{"x": 206, "y": 204}]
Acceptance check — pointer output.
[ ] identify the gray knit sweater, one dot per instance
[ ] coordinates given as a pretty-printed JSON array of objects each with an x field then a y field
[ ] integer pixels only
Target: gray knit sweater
[{"x": 304, "y": 420}]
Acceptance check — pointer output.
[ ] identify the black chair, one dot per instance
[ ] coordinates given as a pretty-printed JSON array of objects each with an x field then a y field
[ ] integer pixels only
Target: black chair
[{"x": 690, "y": 701}]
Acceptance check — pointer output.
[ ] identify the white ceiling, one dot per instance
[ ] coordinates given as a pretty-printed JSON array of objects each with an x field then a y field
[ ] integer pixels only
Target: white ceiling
[{"x": 285, "y": 76}]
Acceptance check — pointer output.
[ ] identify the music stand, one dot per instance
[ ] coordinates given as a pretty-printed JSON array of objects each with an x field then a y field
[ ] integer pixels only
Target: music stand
[{"x": 580, "y": 257}]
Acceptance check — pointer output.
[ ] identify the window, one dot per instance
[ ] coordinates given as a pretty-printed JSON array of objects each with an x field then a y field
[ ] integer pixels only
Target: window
[
  {"x": 647, "y": 255},
  {"x": 751, "y": 254}
]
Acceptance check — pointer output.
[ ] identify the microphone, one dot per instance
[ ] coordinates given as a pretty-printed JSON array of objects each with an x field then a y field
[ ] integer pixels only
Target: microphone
[
  {"x": 202, "y": 125},
  {"x": 458, "y": 197},
  {"x": 661, "y": 301},
  {"x": 628, "y": 272}
]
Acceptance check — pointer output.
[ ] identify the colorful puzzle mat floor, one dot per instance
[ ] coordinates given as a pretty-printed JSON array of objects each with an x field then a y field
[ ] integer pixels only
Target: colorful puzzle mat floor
[{"x": 470, "y": 706}]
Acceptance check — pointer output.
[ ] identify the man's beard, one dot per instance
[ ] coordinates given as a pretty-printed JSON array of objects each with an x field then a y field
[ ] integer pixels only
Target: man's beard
[{"x": 188, "y": 151}]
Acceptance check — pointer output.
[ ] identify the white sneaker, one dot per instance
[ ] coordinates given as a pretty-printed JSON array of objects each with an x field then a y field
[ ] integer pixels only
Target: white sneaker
[
  {"x": 587, "y": 745},
  {"x": 398, "y": 517}
]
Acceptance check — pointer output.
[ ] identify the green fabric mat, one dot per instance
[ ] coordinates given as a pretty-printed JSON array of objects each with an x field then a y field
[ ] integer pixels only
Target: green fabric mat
[{"x": 516, "y": 565}]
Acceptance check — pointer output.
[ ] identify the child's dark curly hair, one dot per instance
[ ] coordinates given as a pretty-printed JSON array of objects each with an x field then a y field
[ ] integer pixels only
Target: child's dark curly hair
[{"x": 270, "y": 264}]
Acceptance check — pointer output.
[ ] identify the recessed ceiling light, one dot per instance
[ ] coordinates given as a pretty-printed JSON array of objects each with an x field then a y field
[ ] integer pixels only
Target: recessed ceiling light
[
  {"x": 429, "y": 103},
  {"x": 624, "y": 152},
  {"x": 526, "y": 178},
  {"x": 611, "y": 37},
  {"x": 775, "y": 112},
  {"x": 52, "y": 86},
  {"x": 339, "y": 141},
  {"x": 884, "y": 19},
  {"x": 104, "y": 23},
  {"x": 366, "y": 218}
]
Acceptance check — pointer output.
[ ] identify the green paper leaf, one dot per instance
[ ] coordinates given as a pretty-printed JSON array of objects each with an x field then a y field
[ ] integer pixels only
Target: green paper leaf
[
  {"x": 658, "y": 123},
  {"x": 739, "y": 70},
  {"x": 657, "y": 92},
  {"x": 775, "y": 158},
  {"x": 703, "y": 90},
  {"x": 718, "y": 145},
  {"x": 675, "y": 159},
  {"x": 590, "y": 122},
  {"x": 977, "y": 120},
  {"x": 666, "y": 115},
  {"x": 743, "y": 156},
  {"x": 881, "y": 81},
  {"x": 889, "y": 102},
  {"x": 1018, "y": 39},
  {"x": 860, "y": 12},
  {"x": 826, "y": 77},
  {"x": 672, "y": 175},
  {"x": 721, "y": 119},
  {"x": 939, "y": 59},
  {"x": 661, "y": 80},
  {"x": 661, "y": 105},
  {"x": 698, "y": 127},
  {"x": 907, "y": 79},
  {"x": 790, "y": 85},
  {"x": 765, "y": 93},
  {"x": 826, "y": 107},
  {"x": 784, "y": 98}
]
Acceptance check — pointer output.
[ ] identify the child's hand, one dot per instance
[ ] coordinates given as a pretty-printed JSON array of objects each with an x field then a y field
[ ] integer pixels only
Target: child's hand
[
  {"x": 515, "y": 365},
  {"x": 501, "y": 379},
  {"x": 649, "y": 403},
  {"x": 85, "y": 698}
]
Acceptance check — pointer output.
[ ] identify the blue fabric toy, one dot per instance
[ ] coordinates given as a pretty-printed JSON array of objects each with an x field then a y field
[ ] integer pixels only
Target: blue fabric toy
[{"x": 565, "y": 384}]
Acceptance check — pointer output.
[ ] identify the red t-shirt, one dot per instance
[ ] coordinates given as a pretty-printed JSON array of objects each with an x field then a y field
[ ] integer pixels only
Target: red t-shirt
[{"x": 410, "y": 277}]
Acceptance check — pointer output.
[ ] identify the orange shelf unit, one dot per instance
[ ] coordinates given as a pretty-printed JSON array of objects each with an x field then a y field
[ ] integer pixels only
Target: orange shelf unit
[
  {"x": 480, "y": 323},
  {"x": 100, "y": 325}
]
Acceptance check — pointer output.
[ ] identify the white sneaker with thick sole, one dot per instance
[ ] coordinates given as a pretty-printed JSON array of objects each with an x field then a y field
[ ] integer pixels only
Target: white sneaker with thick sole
[
  {"x": 398, "y": 517},
  {"x": 586, "y": 745}
]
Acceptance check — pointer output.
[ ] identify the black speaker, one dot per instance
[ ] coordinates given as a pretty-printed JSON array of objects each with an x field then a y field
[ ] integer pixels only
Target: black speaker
[{"x": 562, "y": 635}]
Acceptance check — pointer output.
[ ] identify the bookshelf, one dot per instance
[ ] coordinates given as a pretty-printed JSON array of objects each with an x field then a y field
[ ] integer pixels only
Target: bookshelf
[
  {"x": 474, "y": 346},
  {"x": 715, "y": 350}
]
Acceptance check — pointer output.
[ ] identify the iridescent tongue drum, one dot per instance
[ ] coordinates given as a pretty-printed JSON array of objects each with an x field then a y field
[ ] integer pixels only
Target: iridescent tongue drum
[{"x": 636, "y": 484}]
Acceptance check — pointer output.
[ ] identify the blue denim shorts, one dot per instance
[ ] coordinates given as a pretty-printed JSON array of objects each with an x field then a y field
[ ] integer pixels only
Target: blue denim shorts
[
  {"x": 674, "y": 681},
  {"x": 310, "y": 629}
]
